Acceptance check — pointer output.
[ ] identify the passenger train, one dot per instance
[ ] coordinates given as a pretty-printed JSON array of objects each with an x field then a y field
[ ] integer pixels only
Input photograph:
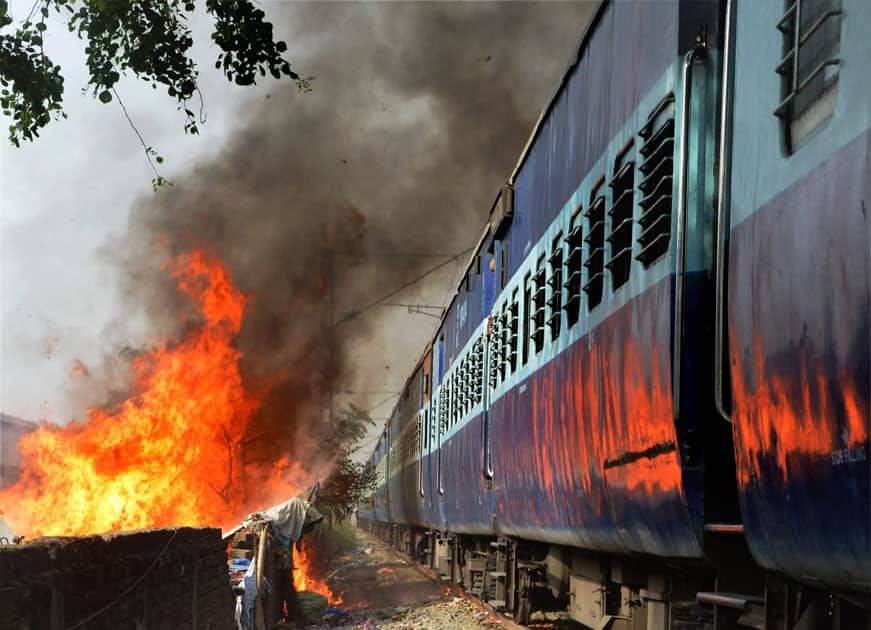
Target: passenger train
[{"x": 648, "y": 403}]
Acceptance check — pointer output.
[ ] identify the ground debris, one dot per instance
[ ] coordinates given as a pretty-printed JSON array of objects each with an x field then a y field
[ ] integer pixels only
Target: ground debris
[{"x": 383, "y": 591}]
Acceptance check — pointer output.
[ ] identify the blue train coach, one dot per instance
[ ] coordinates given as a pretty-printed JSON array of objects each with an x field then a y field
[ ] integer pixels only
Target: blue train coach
[{"x": 648, "y": 403}]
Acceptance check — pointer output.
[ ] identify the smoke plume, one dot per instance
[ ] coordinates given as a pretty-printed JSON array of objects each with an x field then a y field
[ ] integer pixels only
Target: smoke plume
[{"x": 417, "y": 115}]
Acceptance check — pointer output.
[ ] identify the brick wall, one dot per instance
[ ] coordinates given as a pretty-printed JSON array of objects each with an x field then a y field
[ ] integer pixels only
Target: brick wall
[{"x": 57, "y": 583}]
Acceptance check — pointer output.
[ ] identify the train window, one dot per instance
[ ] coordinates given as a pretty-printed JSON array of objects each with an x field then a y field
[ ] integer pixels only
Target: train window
[
  {"x": 622, "y": 209},
  {"x": 573, "y": 264},
  {"x": 435, "y": 419},
  {"x": 538, "y": 304},
  {"x": 503, "y": 342},
  {"x": 513, "y": 323},
  {"x": 657, "y": 171},
  {"x": 455, "y": 399},
  {"x": 595, "y": 262},
  {"x": 468, "y": 390},
  {"x": 463, "y": 389},
  {"x": 477, "y": 371},
  {"x": 556, "y": 287},
  {"x": 478, "y": 264},
  {"x": 444, "y": 416},
  {"x": 495, "y": 351},
  {"x": 811, "y": 31},
  {"x": 527, "y": 310}
]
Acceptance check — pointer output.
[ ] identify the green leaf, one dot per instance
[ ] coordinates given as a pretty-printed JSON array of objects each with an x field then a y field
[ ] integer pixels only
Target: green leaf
[{"x": 105, "y": 96}]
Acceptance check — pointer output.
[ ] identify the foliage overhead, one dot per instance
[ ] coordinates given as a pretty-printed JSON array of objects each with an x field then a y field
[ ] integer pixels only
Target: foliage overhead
[{"x": 149, "y": 39}]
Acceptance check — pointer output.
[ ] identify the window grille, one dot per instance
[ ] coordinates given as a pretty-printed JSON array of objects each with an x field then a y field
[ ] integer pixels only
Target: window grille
[
  {"x": 811, "y": 31},
  {"x": 495, "y": 351},
  {"x": 503, "y": 343},
  {"x": 434, "y": 421},
  {"x": 574, "y": 265},
  {"x": 657, "y": 169},
  {"x": 622, "y": 208},
  {"x": 595, "y": 262},
  {"x": 461, "y": 389},
  {"x": 418, "y": 436},
  {"x": 538, "y": 303},
  {"x": 527, "y": 314},
  {"x": 444, "y": 418},
  {"x": 556, "y": 287},
  {"x": 455, "y": 398},
  {"x": 467, "y": 384},
  {"x": 478, "y": 371},
  {"x": 513, "y": 323}
]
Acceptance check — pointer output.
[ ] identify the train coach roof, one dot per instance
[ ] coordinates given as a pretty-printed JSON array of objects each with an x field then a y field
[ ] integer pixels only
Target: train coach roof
[{"x": 595, "y": 10}]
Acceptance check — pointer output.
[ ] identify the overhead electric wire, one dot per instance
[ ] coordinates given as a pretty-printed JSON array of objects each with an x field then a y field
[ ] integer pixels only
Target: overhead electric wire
[
  {"x": 403, "y": 286},
  {"x": 388, "y": 399}
]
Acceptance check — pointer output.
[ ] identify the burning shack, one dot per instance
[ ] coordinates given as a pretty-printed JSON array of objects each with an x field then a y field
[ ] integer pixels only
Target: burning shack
[{"x": 263, "y": 572}]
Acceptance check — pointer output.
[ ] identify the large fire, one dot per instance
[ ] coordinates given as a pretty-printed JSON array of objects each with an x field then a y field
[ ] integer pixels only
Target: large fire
[{"x": 173, "y": 452}]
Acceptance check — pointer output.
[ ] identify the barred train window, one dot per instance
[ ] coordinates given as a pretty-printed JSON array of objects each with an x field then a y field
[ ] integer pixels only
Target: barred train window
[
  {"x": 503, "y": 343},
  {"x": 622, "y": 209},
  {"x": 513, "y": 322},
  {"x": 657, "y": 171},
  {"x": 556, "y": 287},
  {"x": 495, "y": 351},
  {"x": 811, "y": 31},
  {"x": 538, "y": 305},
  {"x": 573, "y": 263},
  {"x": 595, "y": 241},
  {"x": 527, "y": 314},
  {"x": 478, "y": 371}
]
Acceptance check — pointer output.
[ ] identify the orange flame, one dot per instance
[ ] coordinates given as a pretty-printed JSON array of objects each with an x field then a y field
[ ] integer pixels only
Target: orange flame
[
  {"x": 172, "y": 453},
  {"x": 304, "y": 581}
]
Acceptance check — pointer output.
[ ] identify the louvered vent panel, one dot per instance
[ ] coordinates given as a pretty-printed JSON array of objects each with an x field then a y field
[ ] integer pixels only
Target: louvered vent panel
[
  {"x": 573, "y": 265},
  {"x": 595, "y": 262},
  {"x": 538, "y": 300},
  {"x": 555, "y": 302},
  {"x": 657, "y": 171},
  {"x": 620, "y": 237}
]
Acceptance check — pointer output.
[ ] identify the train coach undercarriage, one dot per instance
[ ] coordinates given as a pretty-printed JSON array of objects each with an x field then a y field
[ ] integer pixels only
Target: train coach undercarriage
[{"x": 605, "y": 592}]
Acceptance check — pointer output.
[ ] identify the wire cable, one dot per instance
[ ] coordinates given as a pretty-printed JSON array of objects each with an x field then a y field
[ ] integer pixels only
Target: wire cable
[
  {"x": 383, "y": 298},
  {"x": 130, "y": 589}
]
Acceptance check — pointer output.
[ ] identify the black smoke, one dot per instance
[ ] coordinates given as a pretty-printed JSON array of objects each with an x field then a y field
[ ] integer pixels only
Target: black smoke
[{"x": 417, "y": 115}]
